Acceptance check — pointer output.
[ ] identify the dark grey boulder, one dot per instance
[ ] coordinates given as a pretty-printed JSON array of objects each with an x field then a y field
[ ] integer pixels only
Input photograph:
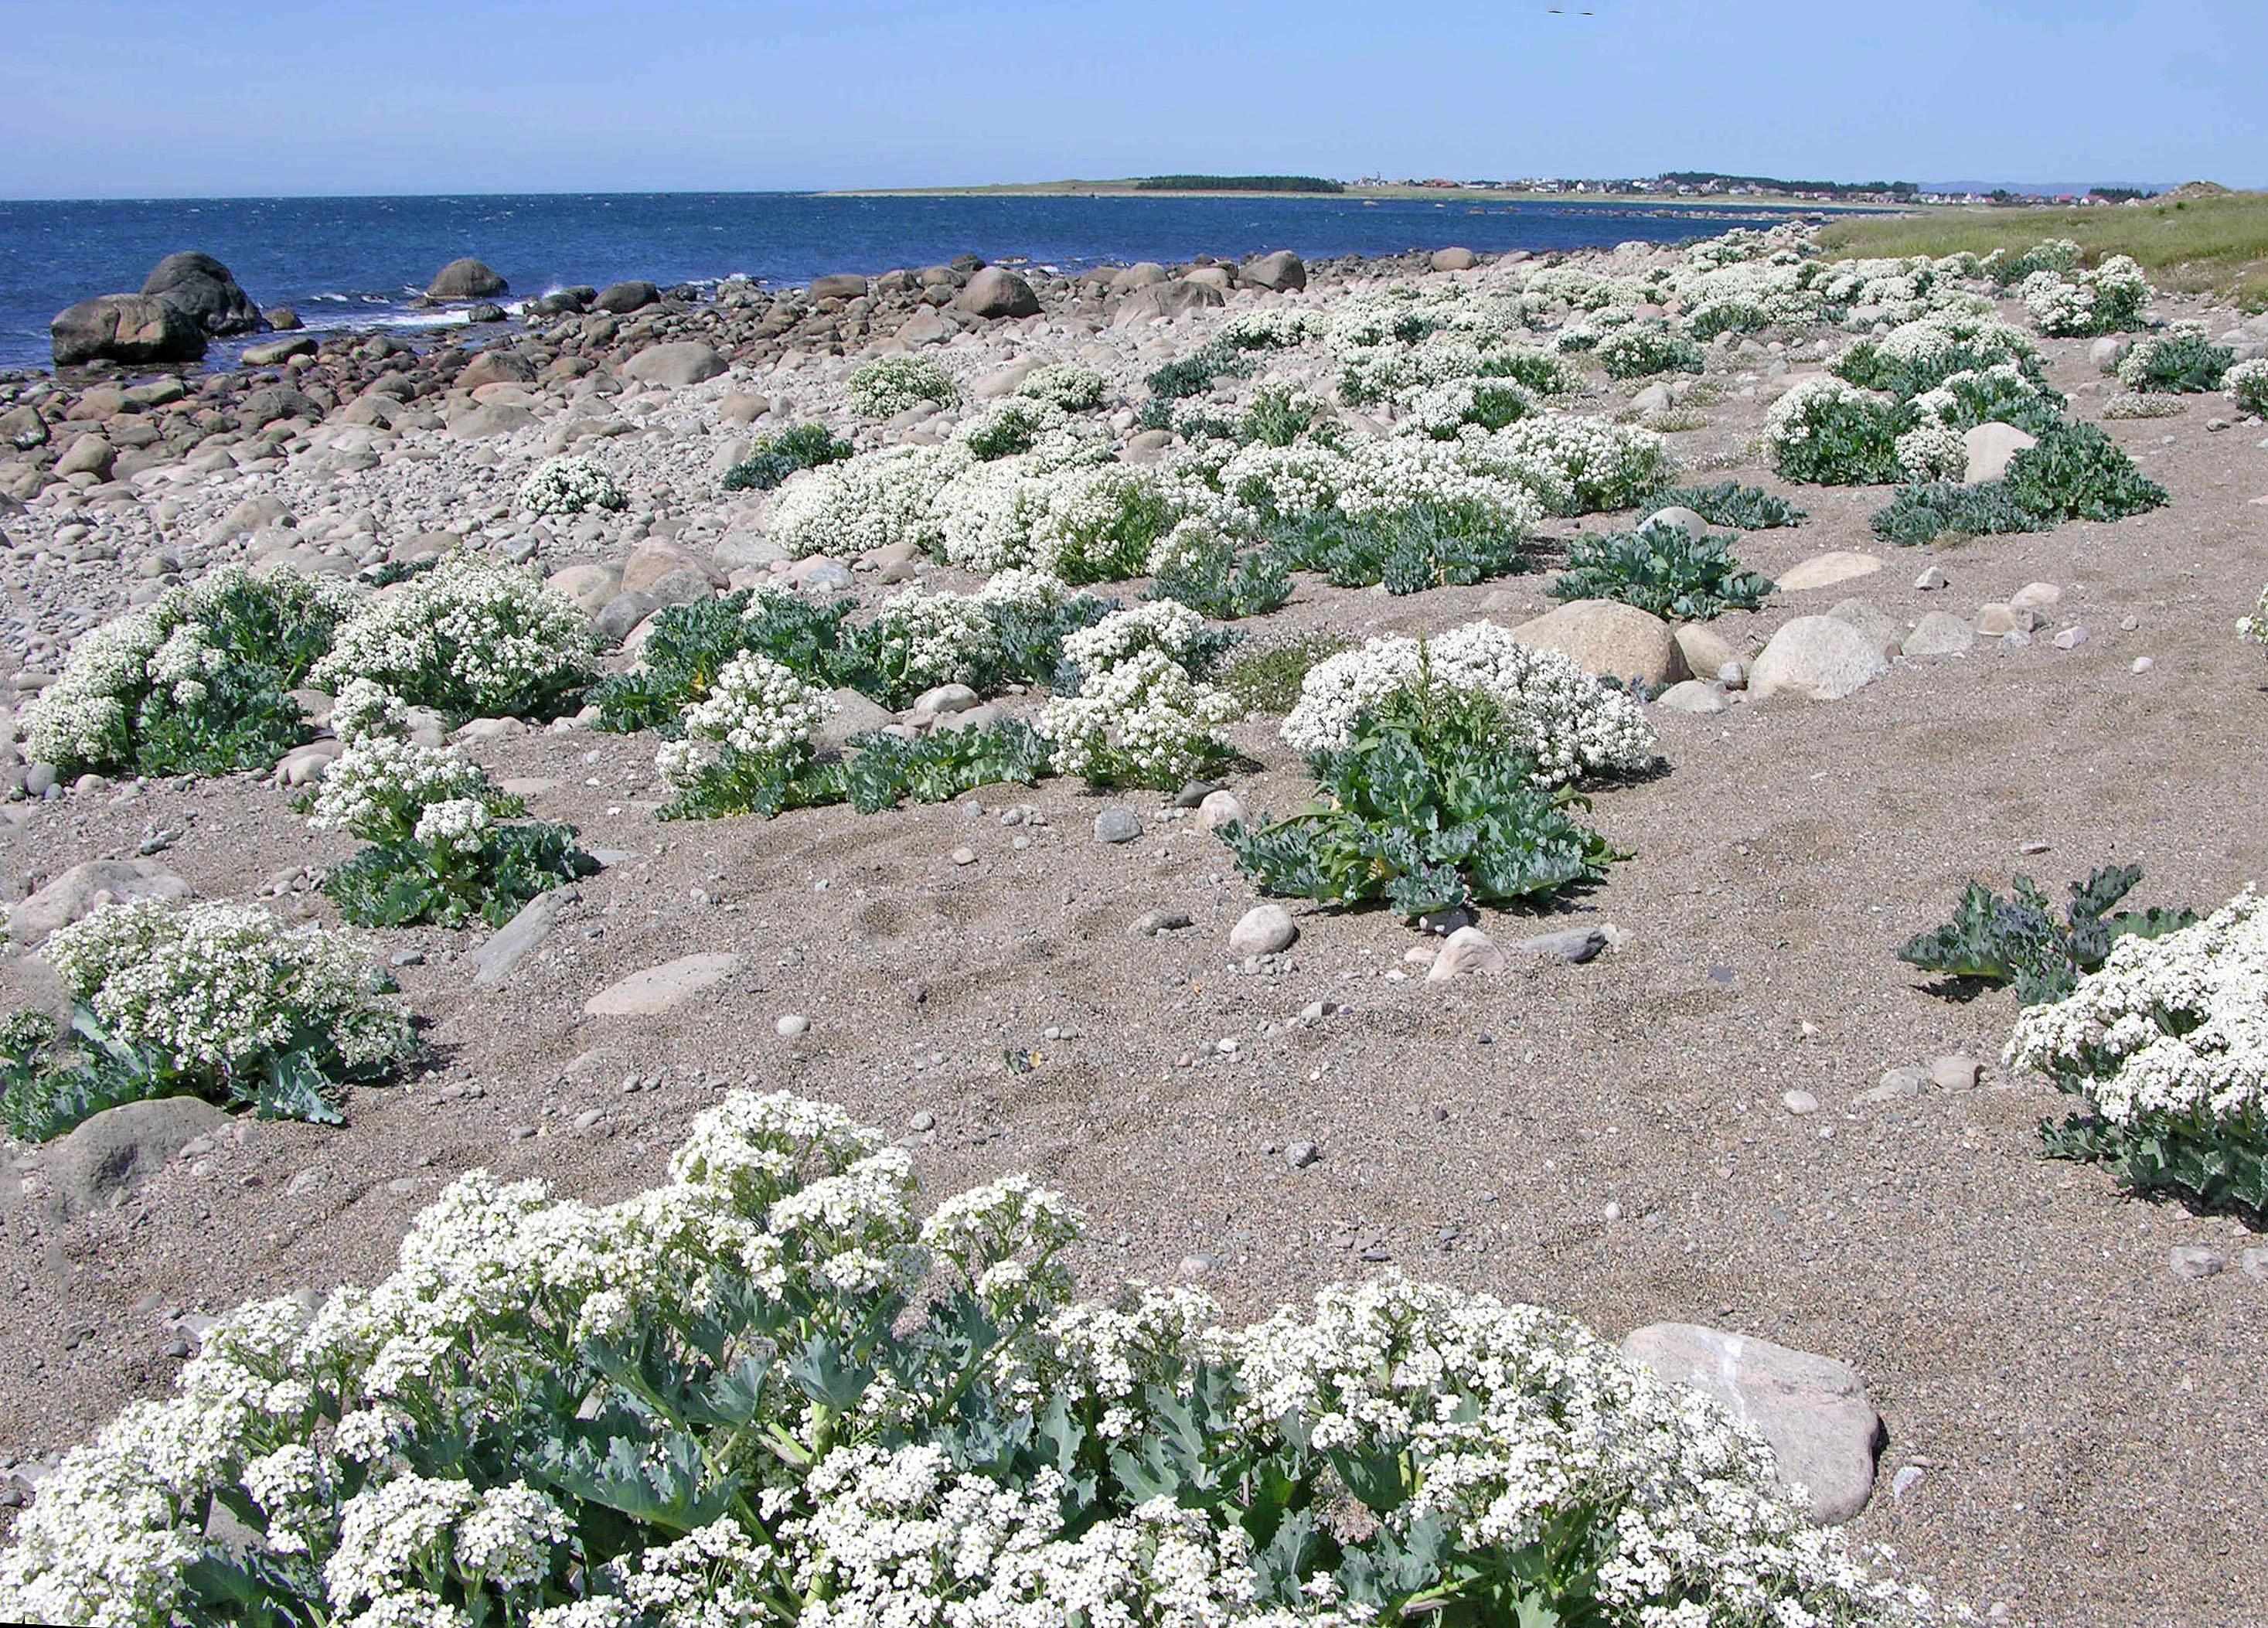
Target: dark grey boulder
[
  {"x": 266, "y": 407},
  {"x": 621, "y": 613},
  {"x": 997, "y": 293},
  {"x": 125, "y": 328},
  {"x": 619, "y": 298},
  {"x": 464, "y": 279},
  {"x": 838, "y": 285},
  {"x": 1281, "y": 271},
  {"x": 207, "y": 290}
]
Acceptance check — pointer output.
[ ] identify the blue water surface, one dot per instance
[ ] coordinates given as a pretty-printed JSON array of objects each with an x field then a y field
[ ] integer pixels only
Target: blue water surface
[{"x": 360, "y": 261}]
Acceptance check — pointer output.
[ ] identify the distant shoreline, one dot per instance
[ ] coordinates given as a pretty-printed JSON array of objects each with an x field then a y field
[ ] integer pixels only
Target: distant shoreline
[{"x": 1442, "y": 195}]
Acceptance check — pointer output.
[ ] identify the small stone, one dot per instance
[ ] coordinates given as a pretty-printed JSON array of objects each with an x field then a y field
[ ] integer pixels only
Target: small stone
[
  {"x": 793, "y": 1025},
  {"x": 1299, "y": 1155},
  {"x": 1117, "y": 825},
  {"x": 922, "y": 1121},
  {"x": 1468, "y": 952},
  {"x": 2255, "y": 1264},
  {"x": 1956, "y": 1072},
  {"x": 658, "y": 989},
  {"x": 1932, "y": 580},
  {"x": 1909, "y": 1476},
  {"x": 1800, "y": 1102},
  {"x": 2194, "y": 1261},
  {"x": 1220, "y": 808},
  {"x": 1195, "y": 1266},
  {"x": 1573, "y": 944},
  {"x": 964, "y": 856},
  {"x": 1265, "y": 929},
  {"x": 2143, "y": 664},
  {"x": 1151, "y": 923},
  {"x": 1897, "y": 1084},
  {"x": 588, "y": 1118},
  {"x": 2128, "y": 624},
  {"x": 2070, "y": 638}
]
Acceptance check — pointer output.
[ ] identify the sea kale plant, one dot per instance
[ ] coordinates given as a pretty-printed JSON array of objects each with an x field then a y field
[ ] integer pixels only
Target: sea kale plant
[
  {"x": 470, "y": 640},
  {"x": 1833, "y": 433},
  {"x": 1066, "y": 385},
  {"x": 2247, "y": 383},
  {"x": 890, "y": 385},
  {"x": 771, "y": 1392},
  {"x": 2022, "y": 940},
  {"x": 1663, "y": 569},
  {"x": 772, "y": 458},
  {"x": 1730, "y": 504},
  {"x": 688, "y": 645},
  {"x": 569, "y": 486},
  {"x": 2075, "y": 472},
  {"x": 1409, "y": 549},
  {"x": 2182, "y": 361},
  {"x": 2165, "y": 1040},
  {"x": 212, "y": 1001},
  {"x": 2070, "y": 301},
  {"x": 445, "y": 846},
  {"x": 1639, "y": 349},
  {"x": 1137, "y": 713},
  {"x": 194, "y": 684},
  {"x": 1198, "y": 566},
  {"x": 1566, "y": 725},
  {"x": 1428, "y": 807}
]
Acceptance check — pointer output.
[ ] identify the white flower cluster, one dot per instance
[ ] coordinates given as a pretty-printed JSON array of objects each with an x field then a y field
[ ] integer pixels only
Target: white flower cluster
[
  {"x": 2173, "y": 1028},
  {"x": 2255, "y": 625},
  {"x": 1139, "y": 715},
  {"x": 458, "y": 823},
  {"x": 889, "y": 385},
  {"x": 928, "y": 639},
  {"x": 1505, "y": 1421},
  {"x": 469, "y": 637},
  {"x": 2145, "y": 404},
  {"x": 757, "y": 706},
  {"x": 1930, "y": 339},
  {"x": 88, "y": 715},
  {"x": 2247, "y": 383},
  {"x": 2079, "y": 302},
  {"x": 1042, "y": 435},
  {"x": 1584, "y": 464},
  {"x": 1571, "y": 726},
  {"x": 1273, "y": 327},
  {"x": 381, "y": 786},
  {"x": 1065, "y": 384},
  {"x": 866, "y": 501},
  {"x": 365, "y": 707},
  {"x": 1442, "y": 411},
  {"x": 215, "y": 988},
  {"x": 1933, "y": 451},
  {"x": 569, "y": 486}
]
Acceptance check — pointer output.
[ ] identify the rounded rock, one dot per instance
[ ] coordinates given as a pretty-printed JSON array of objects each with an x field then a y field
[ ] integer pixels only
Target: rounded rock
[{"x": 1263, "y": 930}]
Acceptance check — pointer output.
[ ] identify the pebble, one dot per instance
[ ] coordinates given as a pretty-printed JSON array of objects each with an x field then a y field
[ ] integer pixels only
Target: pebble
[
  {"x": 792, "y": 1026},
  {"x": 2255, "y": 1264},
  {"x": 1117, "y": 825},
  {"x": 1265, "y": 929},
  {"x": 964, "y": 856},
  {"x": 1613, "y": 1212},
  {"x": 1800, "y": 1102},
  {"x": 2143, "y": 664},
  {"x": 1908, "y": 1477},
  {"x": 1195, "y": 1266},
  {"x": 2070, "y": 638},
  {"x": 1932, "y": 579},
  {"x": 1896, "y": 1084},
  {"x": 1956, "y": 1072},
  {"x": 1151, "y": 923},
  {"x": 2195, "y": 1260},
  {"x": 1299, "y": 1155},
  {"x": 922, "y": 1121},
  {"x": 588, "y": 1118}
]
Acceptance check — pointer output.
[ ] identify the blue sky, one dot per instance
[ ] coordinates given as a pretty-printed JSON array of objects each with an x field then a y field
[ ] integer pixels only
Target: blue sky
[{"x": 132, "y": 97}]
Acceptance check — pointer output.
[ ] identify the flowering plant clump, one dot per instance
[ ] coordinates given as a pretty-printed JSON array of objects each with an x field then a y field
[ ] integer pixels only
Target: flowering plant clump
[
  {"x": 210, "y": 1000},
  {"x": 569, "y": 486},
  {"x": 867, "y": 501},
  {"x": 439, "y": 851},
  {"x": 1919, "y": 356},
  {"x": 743, "y": 744},
  {"x": 2168, "y": 1044},
  {"x": 772, "y": 458},
  {"x": 1567, "y": 724},
  {"x": 1827, "y": 431},
  {"x": 1429, "y": 806},
  {"x": 469, "y": 639},
  {"x": 2071, "y": 302},
  {"x": 1595, "y": 464},
  {"x": 1065, "y": 384},
  {"x": 2181, "y": 361},
  {"x": 2247, "y": 383},
  {"x": 771, "y": 1393},
  {"x": 1138, "y": 715},
  {"x": 195, "y": 683},
  {"x": 1636, "y": 349},
  {"x": 887, "y": 386},
  {"x": 1664, "y": 571},
  {"x": 2255, "y": 626}
]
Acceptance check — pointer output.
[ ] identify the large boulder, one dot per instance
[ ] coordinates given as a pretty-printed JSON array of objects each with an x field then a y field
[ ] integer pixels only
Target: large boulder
[
  {"x": 84, "y": 888},
  {"x": 117, "y": 1150},
  {"x": 996, "y": 292},
  {"x": 499, "y": 365},
  {"x": 1454, "y": 260},
  {"x": 1825, "y": 570},
  {"x": 205, "y": 290},
  {"x": 132, "y": 328},
  {"x": 1166, "y": 299},
  {"x": 620, "y": 298},
  {"x": 464, "y": 279},
  {"x": 1609, "y": 640},
  {"x": 838, "y": 285},
  {"x": 1812, "y": 1410},
  {"x": 1141, "y": 274},
  {"x": 685, "y": 362},
  {"x": 1990, "y": 447},
  {"x": 1281, "y": 271},
  {"x": 1817, "y": 658}
]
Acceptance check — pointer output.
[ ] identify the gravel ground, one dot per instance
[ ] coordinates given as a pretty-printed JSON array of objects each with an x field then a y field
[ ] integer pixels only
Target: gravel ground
[{"x": 1606, "y": 1139}]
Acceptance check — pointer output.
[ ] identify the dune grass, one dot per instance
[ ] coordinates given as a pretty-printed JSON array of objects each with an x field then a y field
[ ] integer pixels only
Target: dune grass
[{"x": 2212, "y": 245}]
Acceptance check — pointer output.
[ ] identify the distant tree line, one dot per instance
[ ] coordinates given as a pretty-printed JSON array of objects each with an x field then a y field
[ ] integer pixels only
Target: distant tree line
[
  {"x": 1238, "y": 183},
  {"x": 1702, "y": 178}
]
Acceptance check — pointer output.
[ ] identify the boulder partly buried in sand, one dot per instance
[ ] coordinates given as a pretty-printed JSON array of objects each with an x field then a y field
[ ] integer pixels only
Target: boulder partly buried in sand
[
  {"x": 1817, "y": 658},
  {"x": 85, "y": 888},
  {"x": 658, "y": 989},
  {"x": 1812, "y": 1410},
  {"x": 1609, "y": 640},
  {"x": 1825, "y": 570}
]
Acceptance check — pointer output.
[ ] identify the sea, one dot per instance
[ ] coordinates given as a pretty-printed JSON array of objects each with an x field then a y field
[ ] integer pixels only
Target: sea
[{"x": 360, "y": 263}]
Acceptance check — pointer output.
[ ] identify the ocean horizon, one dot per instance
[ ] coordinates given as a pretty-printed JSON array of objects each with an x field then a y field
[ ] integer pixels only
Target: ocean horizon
[{"x": 363, "y": 262}]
